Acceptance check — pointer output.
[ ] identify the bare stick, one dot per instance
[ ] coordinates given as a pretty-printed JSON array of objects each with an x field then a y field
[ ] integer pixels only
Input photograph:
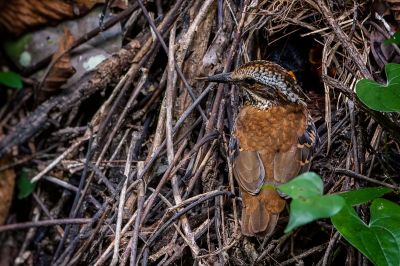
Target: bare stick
[
  {"x": 135, "y": 235},
  {"x": 121, "y": 204},
  {"x": 363, "y": 177},
  {"x": 27, "y": 225},
  {"x": 331, "y": 244},
  {"x": 304, "y": 254}
]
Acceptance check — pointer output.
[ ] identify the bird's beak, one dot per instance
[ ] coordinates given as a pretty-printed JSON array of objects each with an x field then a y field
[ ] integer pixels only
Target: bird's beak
[{"x": 220, "y": 78}]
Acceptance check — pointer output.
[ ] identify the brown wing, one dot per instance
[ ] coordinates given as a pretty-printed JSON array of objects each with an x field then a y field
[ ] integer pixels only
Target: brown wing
[
  {"x": 289, "y": 164},
  {"x": 249, "y": 172}
]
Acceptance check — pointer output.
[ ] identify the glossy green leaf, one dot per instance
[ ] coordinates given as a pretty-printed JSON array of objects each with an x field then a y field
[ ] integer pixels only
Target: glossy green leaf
[
  {"x": 303, "y": 211},
  {"x": 380, "y": 97},
  {"x": 308, "y": 203},
  {"x": 305, "y": 185},
  {"x": 395, "y": 39},
  {"x": 379, "y": 241},
  {"x": 25, "y": 187},
  {"x": 11, "y": 79},
  {"x": 359, "y": 196}
]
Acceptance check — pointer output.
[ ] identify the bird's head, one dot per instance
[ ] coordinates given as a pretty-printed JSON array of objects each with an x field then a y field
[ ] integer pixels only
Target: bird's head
[{"x": 263, "y": 81}]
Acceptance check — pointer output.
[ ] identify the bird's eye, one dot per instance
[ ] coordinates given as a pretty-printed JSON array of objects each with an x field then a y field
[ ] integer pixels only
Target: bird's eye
[{"x": 249, "y": 81}]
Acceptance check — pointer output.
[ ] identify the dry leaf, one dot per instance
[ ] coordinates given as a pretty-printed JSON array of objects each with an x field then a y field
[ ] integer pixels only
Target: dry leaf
[
  {"x": 61, "y": 71},
  {"x": 17, "y": 16},
  {"x": 7, "y": 183}
]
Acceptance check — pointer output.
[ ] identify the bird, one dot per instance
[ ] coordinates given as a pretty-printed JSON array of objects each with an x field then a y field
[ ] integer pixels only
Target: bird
[{"x": 276, "y": 138}]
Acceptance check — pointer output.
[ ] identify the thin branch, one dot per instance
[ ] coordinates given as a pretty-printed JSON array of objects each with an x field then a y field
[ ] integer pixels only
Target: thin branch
[
  {"x": 363, "y": 177},
  {"x": 27, "y": 225}
]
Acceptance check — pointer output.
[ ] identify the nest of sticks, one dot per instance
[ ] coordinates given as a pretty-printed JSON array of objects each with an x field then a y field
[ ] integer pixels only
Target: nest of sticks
[{"x": 134, "y": 163}]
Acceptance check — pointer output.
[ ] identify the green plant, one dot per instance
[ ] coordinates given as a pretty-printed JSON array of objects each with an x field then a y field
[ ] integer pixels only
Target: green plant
[
  {"x": 379, "y": 240},
  {"x": 382, "y": 97},
  {"x": 379, "y": 97},
  {"x": 395, "y": 39},
  {"x": 11, "y": 79},
  {"x": 308, "y": 202},
  {"x": 24, "y": 185}
]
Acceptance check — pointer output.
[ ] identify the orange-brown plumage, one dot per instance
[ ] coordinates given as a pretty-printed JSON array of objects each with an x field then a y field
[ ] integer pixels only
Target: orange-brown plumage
[{"x": 276, "y": 138}]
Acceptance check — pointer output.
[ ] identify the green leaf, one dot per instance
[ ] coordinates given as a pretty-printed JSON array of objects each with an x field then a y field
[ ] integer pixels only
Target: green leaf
[
  {"x": 395, "y": 39},
  {"x": 25, "y": 187},
  {"x": 379, "y": 97},
  {"x": 359, "y": 196},
  {"x": 11, "y": 79},
  {"x": 308, "y": 203},
  {"x": 307, "y": 184},
  {"x": 310, "y": 209},
  {"x": 379, "y": 241},
  {"x": 14, "y": 48}
]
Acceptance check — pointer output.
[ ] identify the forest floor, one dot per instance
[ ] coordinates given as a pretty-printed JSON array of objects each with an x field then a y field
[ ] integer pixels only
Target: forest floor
[{"x": 131, "y": 159}]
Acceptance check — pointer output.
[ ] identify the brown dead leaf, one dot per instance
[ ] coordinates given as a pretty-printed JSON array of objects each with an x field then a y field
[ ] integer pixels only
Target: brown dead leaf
[
  {"x": 7, "y": 183},
  {"x": 61, "y": 71},
  {"x": 17, "y": 16}
]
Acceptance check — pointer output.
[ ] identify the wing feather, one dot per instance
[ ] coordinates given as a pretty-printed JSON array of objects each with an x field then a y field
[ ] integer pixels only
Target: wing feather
[
  {"x": 249, "y": 172},
  {"x": 296, "y": 160}
]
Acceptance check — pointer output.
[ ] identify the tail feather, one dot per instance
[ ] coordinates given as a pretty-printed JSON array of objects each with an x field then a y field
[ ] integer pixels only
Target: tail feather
[{"x": 261, "y": 212}]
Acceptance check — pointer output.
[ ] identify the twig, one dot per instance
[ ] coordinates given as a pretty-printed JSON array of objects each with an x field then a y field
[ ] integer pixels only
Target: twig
[
  {"x": 355, "y": 144},
  {"x": 304, "y": 254},
  {"x": 189, "y": 200},
  {"x": 136, "y": 228},
  {"x": 331, "y": 244},
  {"x": 27, "y": 225},
  {"x": 121, "y": 204},
  {"x": 363, "y": 177}
]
